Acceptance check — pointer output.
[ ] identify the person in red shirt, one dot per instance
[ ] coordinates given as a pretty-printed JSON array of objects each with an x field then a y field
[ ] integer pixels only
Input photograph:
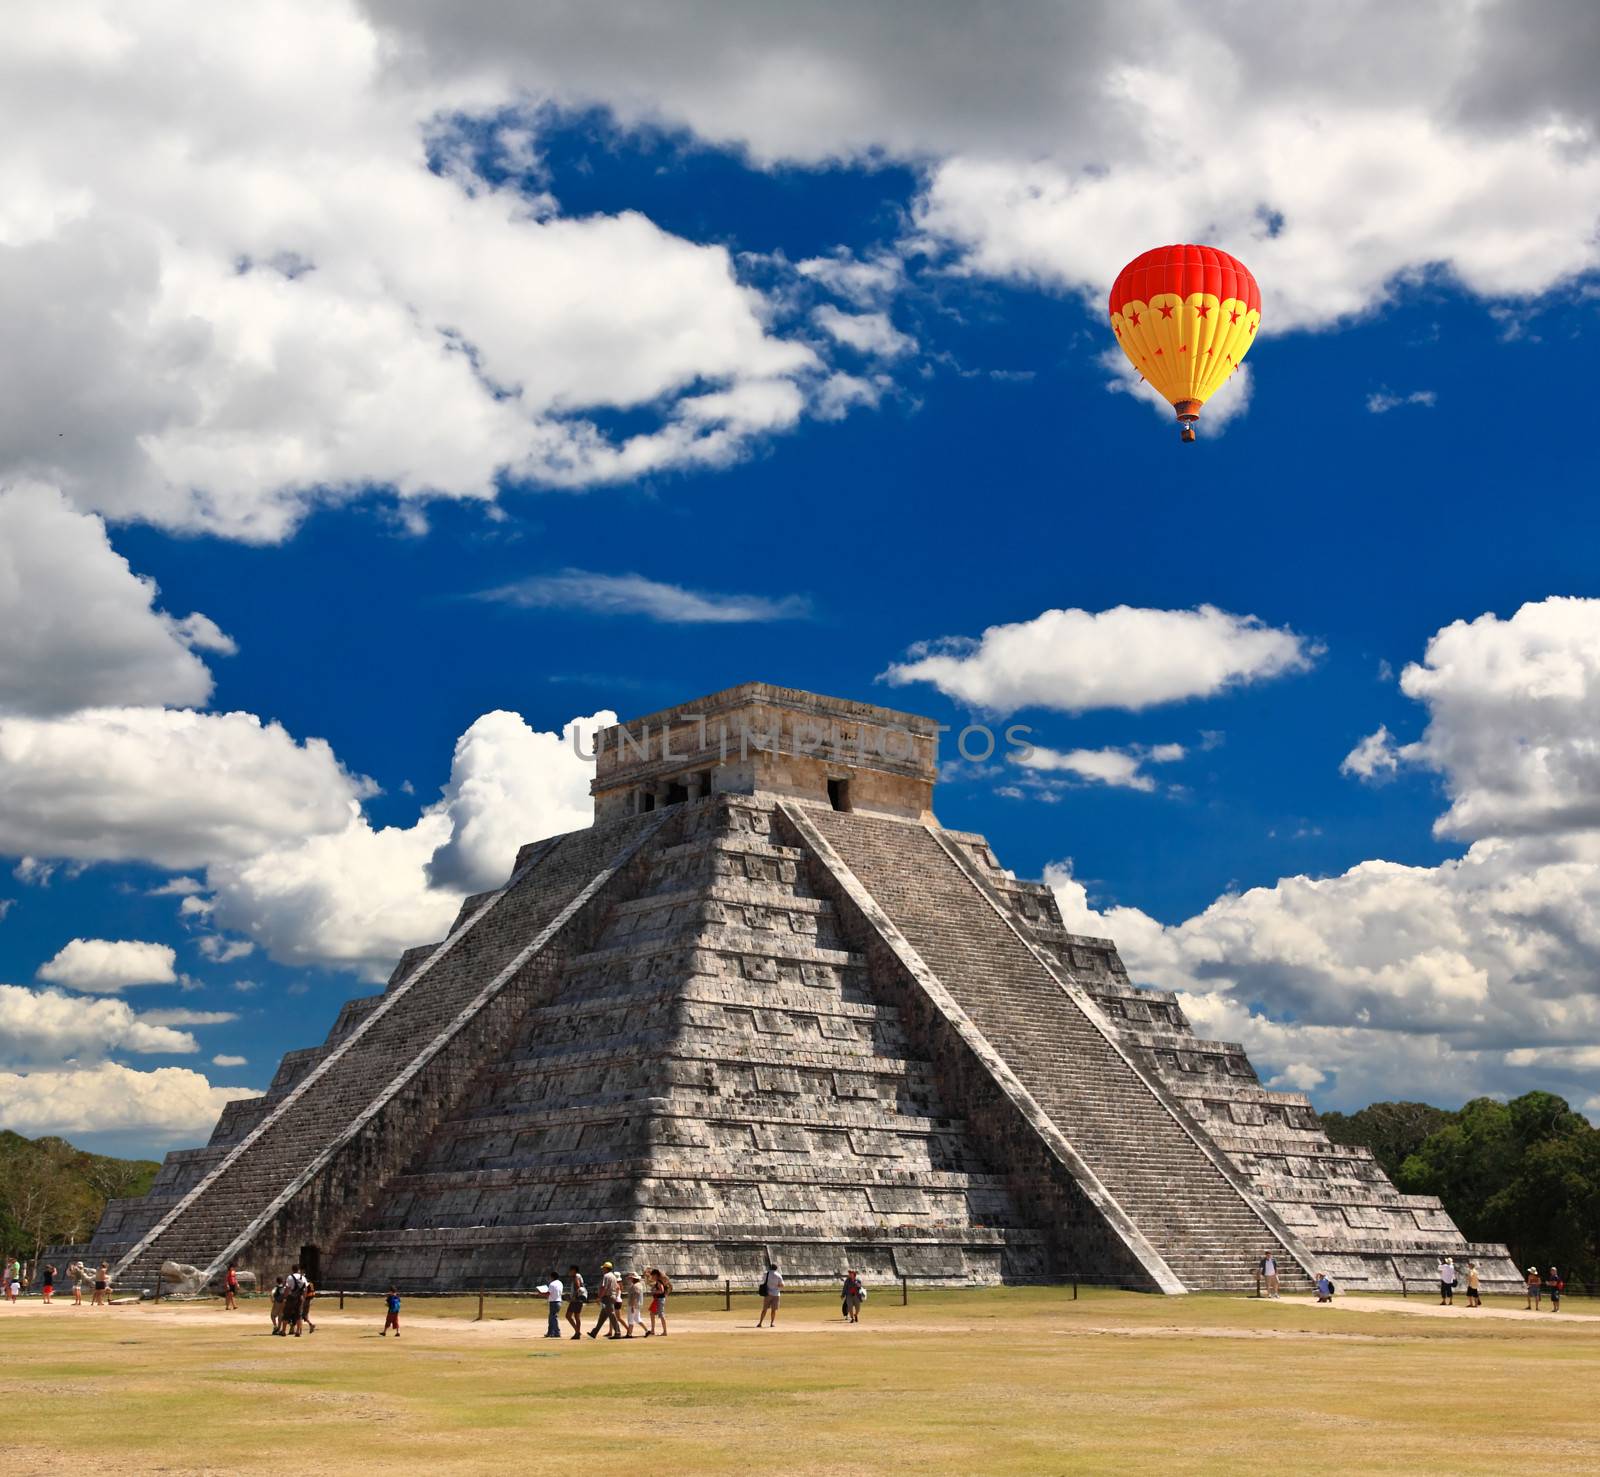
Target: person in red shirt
[{"x": 1555, "y": 1287}]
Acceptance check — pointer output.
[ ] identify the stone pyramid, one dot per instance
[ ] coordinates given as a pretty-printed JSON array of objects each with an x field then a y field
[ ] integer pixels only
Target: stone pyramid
[{"x": 767, "y": 1008}]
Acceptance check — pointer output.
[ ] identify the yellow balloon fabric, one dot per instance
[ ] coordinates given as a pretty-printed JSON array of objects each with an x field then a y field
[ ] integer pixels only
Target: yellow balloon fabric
[{"x": 1185, "y": 317}]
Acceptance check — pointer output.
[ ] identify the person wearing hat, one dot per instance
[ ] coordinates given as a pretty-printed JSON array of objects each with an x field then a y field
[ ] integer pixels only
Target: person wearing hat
[
  {"x": 1474, "y": 1296},
  {"x": 1447, "y": 1282},
  {"x": 1556, "y": 1287},
  {"x": 610, "y": 1299},
  {"x": 1533, "y": 1289}
]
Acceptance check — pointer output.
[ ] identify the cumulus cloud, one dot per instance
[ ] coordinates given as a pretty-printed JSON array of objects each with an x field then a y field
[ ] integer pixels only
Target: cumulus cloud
[
  {"x": 1125, "y": 657},
  {"x": 868, "y": 333},
  {"x": 1374, "y": 758},
  {"x": 104, "y": 966},
  {"x": 224, "y": 1060},
  {"x": 48, "y": 1028},
  {"x": 633, "y": 594},
  {"x": 357, "y": 898},
  {"x": 171, "y": 787},
  {"x": 1118, "y": 768},
  {"x": 1061, "y": 143},
  {"x": 233, "y": 284},
  {"x": 863, "y": 281},
  {"x": 1475, "y": 975},
  {"x": 165, "y": 1105},
  {"x": 81, "y": 628}
]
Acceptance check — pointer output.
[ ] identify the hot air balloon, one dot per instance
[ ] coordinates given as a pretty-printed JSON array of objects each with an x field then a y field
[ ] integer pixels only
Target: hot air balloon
[{"x": 1186, "y": 316}]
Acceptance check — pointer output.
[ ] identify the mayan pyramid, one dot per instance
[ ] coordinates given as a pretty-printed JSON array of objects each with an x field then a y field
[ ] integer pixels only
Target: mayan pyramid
[{"x": 767, "y": 1007}]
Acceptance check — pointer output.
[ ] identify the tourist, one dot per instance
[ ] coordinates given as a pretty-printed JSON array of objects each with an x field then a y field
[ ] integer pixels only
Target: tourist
[
  {"x": 1324, "y": 1288},
  {"x": 660, "y": 1286},
  {"x": 1533, "y": 1289},
  {"x": 305, "y": 1306},
  {"x": 1474, "y": 1293},
  {"x": 48, "y": 1290},
  {"x": 391, "y": 1319},
  {"x": 230, "y": 1287},
  {"x": 576, "y": 1298},
  {"x": 1269, "y": 1274},
  {"x": 13, "y": 1280},
  {"x": 277, "y": 1306},
  {"x": 1447, "y": 1282},
  {"x": 635, "y": 1302},
  {"x": 102, "y": 1287},
  {"x": 79, "y": 1274},
  {"x": 771, "y": 1291},
  {"x": 294, "y": 1288},
  {"x": 1555, "y": 1287},
  {"x": 610, "y": 1299},
  {"x": 853, "y": 1293},
  {"x": 552, "y": 1290}
]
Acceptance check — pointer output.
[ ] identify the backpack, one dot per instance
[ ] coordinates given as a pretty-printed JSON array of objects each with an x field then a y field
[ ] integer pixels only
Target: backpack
[
  {"x": 761, "y": 1291},
  {"x": 1331, "y": 1288}
]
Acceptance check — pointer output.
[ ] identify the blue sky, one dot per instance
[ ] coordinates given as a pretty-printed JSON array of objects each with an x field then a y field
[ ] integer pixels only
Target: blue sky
[{"x": 336, "y": 495}]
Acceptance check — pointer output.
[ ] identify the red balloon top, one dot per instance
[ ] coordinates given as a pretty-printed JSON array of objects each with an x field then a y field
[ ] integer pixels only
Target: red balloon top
[{"x": 1184, "y": 270}]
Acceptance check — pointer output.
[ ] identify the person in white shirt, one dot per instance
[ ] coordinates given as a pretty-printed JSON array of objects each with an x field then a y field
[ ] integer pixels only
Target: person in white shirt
[
  {"x": 1447, "y": 1282},
  {"x": 771, "y": 1291},
  {"x": 553, "y": 1291},
  {"x": 1269, "y": 1274}
]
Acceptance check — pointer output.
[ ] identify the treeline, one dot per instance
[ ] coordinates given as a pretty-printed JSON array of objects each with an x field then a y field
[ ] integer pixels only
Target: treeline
[
  {"x": 52, "y": 1193},
  {"x": 1525, "y": 1172}
]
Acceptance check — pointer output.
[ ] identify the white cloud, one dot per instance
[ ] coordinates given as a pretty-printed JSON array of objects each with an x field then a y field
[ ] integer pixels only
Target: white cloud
[
  {"x": 1476, "y": 975},
  {"x": 175, "y": 788},
  {"x": 177, "y": 887},
  {"x": 1381, "y": 402},
  {"x": 233, "y": 285},
  {"x": 868, "y": 333},
  {"x": 1231, "y": 400},
  {"x": 188, "y": 1017},
  {"x": 865, "y": 282},
  {"x": 223, "y": 1060},
  {"x": 32, "y": 872},
  {"x": 1513, "y": 719},
  {"x": 1124, "y": 657},
  {"x": 81, "y": 627},
  {"x": 633, "y": 594},
  {"x": 1374, "y": 758},
  {"x": 357, "y": 898},
  {"x": 511, "y": 784},
  {"x": 104, "y": 966},
  {"x": 48, "y": 1028},
  {"x": 224, "y": 951},
  {"x": 165, "y": 1105},
  {"x": 1118, "y": 768},
  {"x": 1063, "y": 142}
]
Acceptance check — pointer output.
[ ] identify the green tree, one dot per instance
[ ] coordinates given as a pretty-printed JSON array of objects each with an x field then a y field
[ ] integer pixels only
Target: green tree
[{"x": 1391, "y": 1130}]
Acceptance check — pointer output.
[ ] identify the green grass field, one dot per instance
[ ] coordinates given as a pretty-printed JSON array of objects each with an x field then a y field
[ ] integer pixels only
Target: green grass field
[{"x": 1004, "y": 1381}]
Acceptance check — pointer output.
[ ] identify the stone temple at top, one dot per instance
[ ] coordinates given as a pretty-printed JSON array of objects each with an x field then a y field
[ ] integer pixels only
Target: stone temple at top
[{"x": 767, "y": 1008}]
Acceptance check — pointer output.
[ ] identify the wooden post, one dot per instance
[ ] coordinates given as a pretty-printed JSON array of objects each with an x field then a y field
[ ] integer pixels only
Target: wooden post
[
  {"x": 1074, "y": 1289},
  {"x": 479, "y": 1318},
  {"x": 727, "y": 1295},
  {"x": 905, "y": 1292},
  {"x": 341, "y": 1300}
]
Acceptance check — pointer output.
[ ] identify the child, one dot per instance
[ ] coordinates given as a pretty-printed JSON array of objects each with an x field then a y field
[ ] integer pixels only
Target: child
[
  {"x": 49, "y": 1284},
  {"x": 277, "y": 1306},
  {"x": 392, "y": 1300},
  {"x": 230, "y": 1287},
  {"x": 1555, "y": 1286},
  {"x": 1474, "y": 1290},
  {"x": 305, "y": 1306}
]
